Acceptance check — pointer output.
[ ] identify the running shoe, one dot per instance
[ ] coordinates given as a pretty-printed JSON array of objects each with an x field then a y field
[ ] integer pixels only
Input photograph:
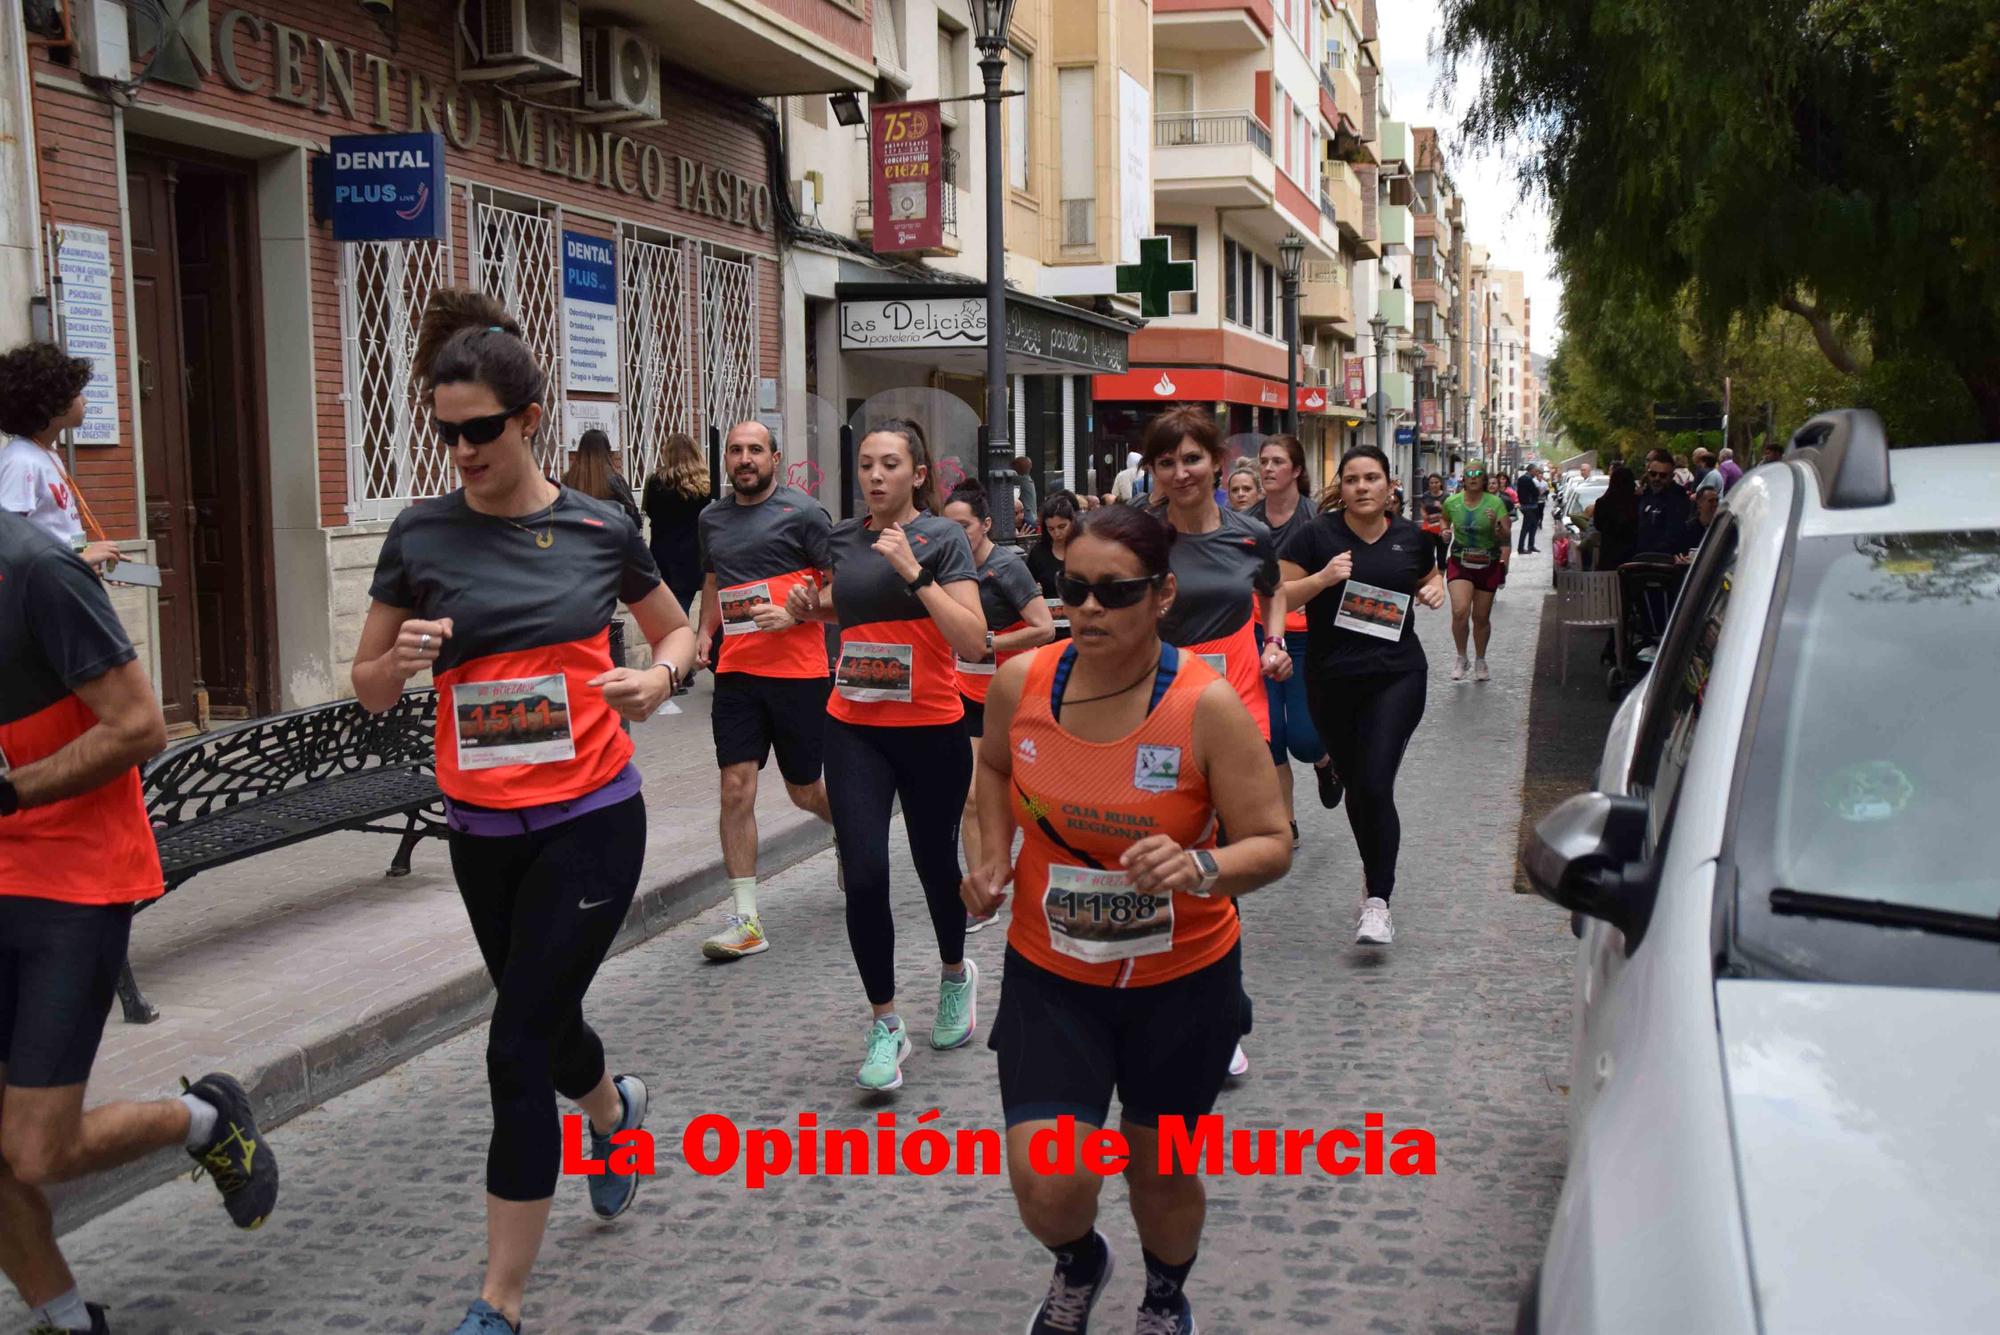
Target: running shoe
[
  {"x": 1295, "y": 836},
  {"x": 1066, "y": 1308},
  {"x": 1458, "y": 668},
  {"x": 882, "y": 1068},
  {"x": 1479, "y": 672},
  {"x": 235, "y": 1158},
  {"x": 1329, "y": 786},
  {"x": 1239, "y": 1062},
  {"x": 612, "y": 1192},
  {"x": 740, "y": 936},
  {"x": 1374, "y": 928},
  {"x": 1152, "y": 1321},
  {"x": 484, "y": 1319},
  {"x": 958, "y": 1009},
  {"x": 98, "y": 1324},
  {"x": 973, "y": 922}
]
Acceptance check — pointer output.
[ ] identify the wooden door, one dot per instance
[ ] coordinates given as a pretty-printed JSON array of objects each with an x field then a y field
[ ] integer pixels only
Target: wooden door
[
  {"x": 156, "y": 306},
  {"x": 211, "y": 233}
]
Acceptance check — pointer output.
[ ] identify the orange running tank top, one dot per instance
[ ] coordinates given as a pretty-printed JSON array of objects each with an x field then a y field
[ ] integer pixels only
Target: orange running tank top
[{"x": 1081, "y": 805}]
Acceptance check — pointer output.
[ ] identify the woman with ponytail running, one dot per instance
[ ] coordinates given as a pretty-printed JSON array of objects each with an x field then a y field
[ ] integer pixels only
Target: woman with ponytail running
[
  {"x": 1016, "y": 620},
  {"x": 503, "y": 590},
  {"x": 1124, "y": 967},
  {"x": 1285, "y": 508},
  {"x": 905, "y": 593}
]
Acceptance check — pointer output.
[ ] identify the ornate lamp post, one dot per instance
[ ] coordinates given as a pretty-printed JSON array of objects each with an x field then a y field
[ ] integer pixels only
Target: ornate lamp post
[
  {"x": 1291, "y": 251},
  {"x": 991, "y": 20},
  {"x": 1379, "y": 327}
]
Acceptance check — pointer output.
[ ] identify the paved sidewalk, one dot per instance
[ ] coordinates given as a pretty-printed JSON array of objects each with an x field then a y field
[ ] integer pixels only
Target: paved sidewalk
[
  {"x": 1461, "y": 1027},
  {"x": 307, "y": 971}
]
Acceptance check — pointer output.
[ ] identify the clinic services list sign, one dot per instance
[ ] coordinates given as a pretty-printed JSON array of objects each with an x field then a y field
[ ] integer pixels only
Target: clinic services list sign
[
  {"x": 83, "y": 261},
  {"x": 590, "y": 314},
  {"x": 387, "y": 187}
]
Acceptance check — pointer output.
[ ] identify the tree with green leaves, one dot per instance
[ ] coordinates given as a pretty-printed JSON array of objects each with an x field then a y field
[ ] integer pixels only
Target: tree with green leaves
[{"x": 1835, "y": 161}]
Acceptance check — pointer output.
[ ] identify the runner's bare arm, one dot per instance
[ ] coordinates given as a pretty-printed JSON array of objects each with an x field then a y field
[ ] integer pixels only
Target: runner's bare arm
[
  {"x": 129, "y": 729},
  {"x": 1430, "y": 592},
  {"x": 1300, "y": 588},
  {"x": 984, "y": 885},
  {"x": 955, "y": 608},
  {"x": 393, "y": 650},
  {"x": 711, "y": 621},
  {"x": 1041, "y": 628},
  {"x": 637, "y": 695},
  {"x": 1244, "y": 788}
]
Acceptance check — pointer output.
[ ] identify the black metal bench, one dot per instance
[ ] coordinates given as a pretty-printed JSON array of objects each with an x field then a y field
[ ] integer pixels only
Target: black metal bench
[{"x": 264, "y": 785}]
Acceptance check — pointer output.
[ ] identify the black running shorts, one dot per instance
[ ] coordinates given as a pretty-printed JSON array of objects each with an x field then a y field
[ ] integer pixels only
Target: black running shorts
[
  {"x": 1064, "y": 1046},
  {"x": 975, "y": 715},
  {"x": 753, "y": 715},
  {"x": 59, "y": 967}
]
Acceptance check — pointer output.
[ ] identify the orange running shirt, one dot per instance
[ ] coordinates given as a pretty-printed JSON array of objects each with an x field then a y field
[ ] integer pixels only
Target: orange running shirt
[
  {"x": 1217, "y": 576},
  {"x": 1006, "y": 588},
  {"x": 58, "y": 632},
  {"x": 895, "y": 669},
  {"x": 1079, "y": 803},
  {"x": 757, "y": 553},
  {"x": 519, "y": 725}
]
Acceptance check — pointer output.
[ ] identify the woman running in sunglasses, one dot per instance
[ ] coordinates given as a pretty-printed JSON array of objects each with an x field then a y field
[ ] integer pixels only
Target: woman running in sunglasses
[
  {"x": 1226, "y": 573},
  {"x": 1356, "y": 570},
  {"x": 1123, "y": 968},
  {"x": 905, "y": 593},
  {"x": 504, "y": 590},
  {"x": 1017, "y": 619}
]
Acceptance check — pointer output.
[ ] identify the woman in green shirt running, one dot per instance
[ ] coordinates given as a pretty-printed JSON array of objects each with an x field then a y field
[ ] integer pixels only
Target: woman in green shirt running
[{"x": 1478, "y": 567}]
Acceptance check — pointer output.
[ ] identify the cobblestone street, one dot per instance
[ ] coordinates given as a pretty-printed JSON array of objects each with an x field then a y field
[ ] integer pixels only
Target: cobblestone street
[{"x": 1459, "y": 1027}]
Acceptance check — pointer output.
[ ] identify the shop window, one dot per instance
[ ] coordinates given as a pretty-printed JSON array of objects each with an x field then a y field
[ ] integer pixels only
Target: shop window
[
  {"x": 393, "y": 453},
  {"x": 1267, "y": 303},
  {"x": 1020, "y": 79}
]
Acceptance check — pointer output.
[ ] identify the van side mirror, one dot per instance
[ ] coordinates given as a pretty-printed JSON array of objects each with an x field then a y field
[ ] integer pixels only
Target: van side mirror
[{"x": 1585, "y": 855}]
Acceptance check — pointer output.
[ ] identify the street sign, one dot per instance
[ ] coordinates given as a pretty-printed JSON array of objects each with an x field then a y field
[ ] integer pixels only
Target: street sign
[
  {"x": 388, "y": 187},
  {"x": 1406, "y": 435},
  {"x": 1156, "y": 277}
]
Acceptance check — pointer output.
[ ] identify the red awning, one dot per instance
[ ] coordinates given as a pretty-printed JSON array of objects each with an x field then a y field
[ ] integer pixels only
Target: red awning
[{"x": 1173, "y": 384}]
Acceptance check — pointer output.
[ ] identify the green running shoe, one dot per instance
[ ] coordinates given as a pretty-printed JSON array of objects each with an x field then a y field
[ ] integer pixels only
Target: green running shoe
[
  {"x": 958, "y": 1009},
  {"x": 883, "y": 1067}
]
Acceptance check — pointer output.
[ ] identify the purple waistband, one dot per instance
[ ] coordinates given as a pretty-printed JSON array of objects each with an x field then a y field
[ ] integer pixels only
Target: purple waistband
[{"x": 487, "y": 823}]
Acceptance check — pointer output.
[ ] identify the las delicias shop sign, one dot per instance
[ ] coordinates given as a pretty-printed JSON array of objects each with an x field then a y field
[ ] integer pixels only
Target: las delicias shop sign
[{"x": 331, "y": 79}]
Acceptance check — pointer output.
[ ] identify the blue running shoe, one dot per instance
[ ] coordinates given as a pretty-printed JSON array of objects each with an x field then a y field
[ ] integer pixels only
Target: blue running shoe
[
  {"x": 611, "y": 1193},
  {"x": 482, "y": 1318},
  {"x": 1180, "y": 1321},
  {"x": 1065, "y": 1310}
]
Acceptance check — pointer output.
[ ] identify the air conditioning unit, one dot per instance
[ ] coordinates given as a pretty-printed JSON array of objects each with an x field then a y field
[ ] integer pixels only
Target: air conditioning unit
[
  {"x": 621, "y": 71},
  {"x": 545, "y": 33}
]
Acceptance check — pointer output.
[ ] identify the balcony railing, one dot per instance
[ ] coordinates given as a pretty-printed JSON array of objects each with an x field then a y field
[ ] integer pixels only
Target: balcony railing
[
  {"x": 1079, "y": 222},
  {"x": 1177, "y": 129},
  {"x": 864, "y": 207},
  {"x": 1326, "y": 206},
  {"x": 1426, "y": 269},
  {"x": 1327, "y": 85}
]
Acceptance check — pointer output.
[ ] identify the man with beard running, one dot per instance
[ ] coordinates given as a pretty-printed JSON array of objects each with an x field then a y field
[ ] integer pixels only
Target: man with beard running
[
  {"x": 771, "y": 678},
  {"x": 77, "y": 716}
]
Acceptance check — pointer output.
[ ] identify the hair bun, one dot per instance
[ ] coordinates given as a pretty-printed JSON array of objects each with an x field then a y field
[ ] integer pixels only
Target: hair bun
[{"x": 452, "y": 311}]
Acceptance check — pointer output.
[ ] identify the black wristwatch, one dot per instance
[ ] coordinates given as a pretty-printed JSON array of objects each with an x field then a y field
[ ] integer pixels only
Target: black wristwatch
[
  {"x": 10, "y": 800},
  {"x": 925, "y": 577}
]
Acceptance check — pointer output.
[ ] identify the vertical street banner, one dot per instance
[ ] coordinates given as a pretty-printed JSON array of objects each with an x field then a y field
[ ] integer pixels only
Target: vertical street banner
[
  {"x": 906, "y": 176},
  {"x": 1356, "y": 375},
  {"x": 590, "y": 314},
  {"x": 1428, "y": 417},
  {"x": 83, "y": 262}
]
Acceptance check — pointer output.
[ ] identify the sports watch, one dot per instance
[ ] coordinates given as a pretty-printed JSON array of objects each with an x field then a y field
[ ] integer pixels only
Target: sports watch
[
  {"x": 10, "y": 800},
  {"x": 925, "y": 577},
  {"x": 1204, "y": 866}
]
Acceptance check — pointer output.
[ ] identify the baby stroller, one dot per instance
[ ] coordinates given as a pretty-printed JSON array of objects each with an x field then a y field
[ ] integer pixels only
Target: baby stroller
[{"x": 1647, "y": 589}]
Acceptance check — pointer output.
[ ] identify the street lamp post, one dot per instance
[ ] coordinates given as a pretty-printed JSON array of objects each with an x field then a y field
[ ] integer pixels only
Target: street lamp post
[
  {"x": 1379, "y": 327},
  {"x": 1290, "y": 252},
  {"x": 991, "y": 20}
]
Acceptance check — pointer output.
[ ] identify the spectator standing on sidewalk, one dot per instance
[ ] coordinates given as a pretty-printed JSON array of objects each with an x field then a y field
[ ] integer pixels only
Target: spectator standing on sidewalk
[
  {"x": 77, "y": 716},
  {"x": 1529, "y": 488},
  {"x": 771, "y": 682},
  {"x": 1663, "y": 507},
  {"x": 676, "y": 494},
  {"x": 1731, "y": 471},
  {"x": 1614, "y": 520},
  {"x": 1027, "y": 499},
  {"x": 41, "y": 396},
  {"x": 594, "y": 473},
  {"x": 504, "y": 590}
]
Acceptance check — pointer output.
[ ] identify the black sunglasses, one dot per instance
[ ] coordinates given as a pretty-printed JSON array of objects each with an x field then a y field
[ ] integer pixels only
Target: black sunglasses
[
  {"x": 1111, "y": 594},
  {"x": 477, "y": 430}
]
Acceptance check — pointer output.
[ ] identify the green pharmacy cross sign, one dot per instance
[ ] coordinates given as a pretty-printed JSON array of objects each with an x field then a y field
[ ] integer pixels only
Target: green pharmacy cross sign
[{"x": 1156, "y": 277}]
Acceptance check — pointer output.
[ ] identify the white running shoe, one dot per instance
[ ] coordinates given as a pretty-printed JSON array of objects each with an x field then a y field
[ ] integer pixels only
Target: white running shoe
[
  {"x": 1479, "y": 672},
  {"x": 1458, "y": 666},
  {"x": 1239, "y": 1064},
  {"x": 1374, "y": 928}
]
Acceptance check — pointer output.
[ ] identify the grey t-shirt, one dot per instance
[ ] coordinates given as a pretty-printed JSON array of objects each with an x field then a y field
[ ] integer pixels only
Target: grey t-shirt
[
  {"x": 1006, "y": 585},
  {"x": 1215, "y": 573}
]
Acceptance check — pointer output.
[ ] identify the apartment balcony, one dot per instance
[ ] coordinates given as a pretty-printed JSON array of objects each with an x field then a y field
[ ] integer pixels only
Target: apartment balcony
[
  {"x": 1325, "y": 296},
  {"x": 1213, "y": 25},
  {"x": 1217, "y": 158},
  {"x": 1428, "y": 283},
  {"x": 1395, "y": 225},
  {"x": 811, "y": 47},
  {"x": 864, "y": 212},
  {"x": 1395, "y": 142},
  {"x": 1394, "y": 306},
  {"x": 1402, "y": 397},
  {"x": 1343, "y": 188}
]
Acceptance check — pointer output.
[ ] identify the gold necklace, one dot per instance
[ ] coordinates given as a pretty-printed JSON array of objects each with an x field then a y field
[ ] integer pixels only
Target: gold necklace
[{"x": 547, "y": 537}]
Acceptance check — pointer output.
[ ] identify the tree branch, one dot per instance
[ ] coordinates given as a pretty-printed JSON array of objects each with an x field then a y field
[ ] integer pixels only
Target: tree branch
[{"x": 1824, "y": 333}]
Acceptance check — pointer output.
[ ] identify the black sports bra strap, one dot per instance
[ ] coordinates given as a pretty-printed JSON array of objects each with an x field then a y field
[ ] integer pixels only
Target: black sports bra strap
[{"x": 1170, "y": 666}]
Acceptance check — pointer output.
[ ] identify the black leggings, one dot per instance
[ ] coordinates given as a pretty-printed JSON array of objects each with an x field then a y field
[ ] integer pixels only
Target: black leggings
[
  {"x": 867, "y": 768},
  {"x": 1366, "y": 723},
  {"x": 545, "y": 908}
]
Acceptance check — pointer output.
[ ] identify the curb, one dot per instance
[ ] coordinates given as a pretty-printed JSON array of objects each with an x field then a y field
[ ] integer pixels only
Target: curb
[{"x": 350, "y": 1048}]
